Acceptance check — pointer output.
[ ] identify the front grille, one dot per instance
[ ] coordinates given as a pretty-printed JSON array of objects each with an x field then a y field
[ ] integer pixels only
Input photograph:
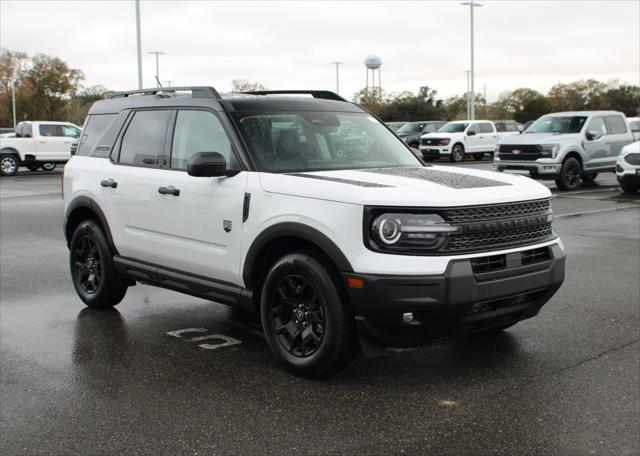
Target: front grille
[
  {"x": 632, "y": 159},
  {"x": 519, "y": 152},
  {"x": 499, "y": 211},
  {"x": 431, "y": 141},
  {"x": 502, "y": 225}
]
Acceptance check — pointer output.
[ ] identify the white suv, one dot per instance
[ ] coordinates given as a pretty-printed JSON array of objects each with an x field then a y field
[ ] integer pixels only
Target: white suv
[{"x": 308, "y": 211}]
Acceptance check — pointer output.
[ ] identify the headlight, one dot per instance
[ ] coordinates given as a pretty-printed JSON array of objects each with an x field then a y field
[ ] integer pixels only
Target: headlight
[
  {"x": 550, "y": 150},
  {"x": 416, "y": 231},
  {"x": 445, "y": 142}
]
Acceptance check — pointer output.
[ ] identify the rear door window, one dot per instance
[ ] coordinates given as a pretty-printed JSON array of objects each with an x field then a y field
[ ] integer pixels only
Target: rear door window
[
  {"x": 616, "y": 125},
  {"x": 597, "y": 125},
  {"x": 486, "y": 127},
  {"x": 144, "y": 140},
  {"x": 49, "y": 130}
]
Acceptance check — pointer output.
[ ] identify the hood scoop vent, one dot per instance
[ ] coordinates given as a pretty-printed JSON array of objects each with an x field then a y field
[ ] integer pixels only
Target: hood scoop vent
[{"x": 445, "y": 178}]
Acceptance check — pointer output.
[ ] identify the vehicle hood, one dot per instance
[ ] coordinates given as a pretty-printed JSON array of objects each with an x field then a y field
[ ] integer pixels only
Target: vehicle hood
[
  {"x": 633, "y": 148},
  {"x": 539, "y": 138},
  {"x": 429, "y": 186}
]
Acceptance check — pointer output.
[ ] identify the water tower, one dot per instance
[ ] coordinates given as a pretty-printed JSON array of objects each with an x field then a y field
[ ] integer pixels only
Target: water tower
[{"x": 373, "y": 64}]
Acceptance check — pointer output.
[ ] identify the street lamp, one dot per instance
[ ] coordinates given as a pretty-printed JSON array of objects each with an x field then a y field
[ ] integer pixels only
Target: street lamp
[
  {"x": 472, "y": 4},
  {"x": 337, "y": 64},
  {"x": 467, "y": 92},
  {"x": 157, "y": 54},
  {"x": 139, "y": 44}
]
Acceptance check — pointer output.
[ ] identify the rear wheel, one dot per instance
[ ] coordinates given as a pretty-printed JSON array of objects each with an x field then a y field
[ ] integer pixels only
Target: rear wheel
[
  {"x": 305, "y": 316},
  {"x": 8, "y": 165},
  {"x": 569, "y": 177},
  {"x": 457, "y": 153},
  {"x": 92, "y": 269},
  {"x": 48, "y": 166}
]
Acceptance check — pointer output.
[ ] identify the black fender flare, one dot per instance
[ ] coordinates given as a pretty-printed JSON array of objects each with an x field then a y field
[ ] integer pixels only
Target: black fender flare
[
  {"x": 299, "y": 230},
  {"x": 83, "y": 201}
]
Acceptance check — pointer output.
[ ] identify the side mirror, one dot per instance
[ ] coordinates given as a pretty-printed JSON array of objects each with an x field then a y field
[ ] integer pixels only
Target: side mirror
[
  {"x": 209, "y": 164},
  {"x": 471, "y": 133},
  {"x": 593, "y": 135}
]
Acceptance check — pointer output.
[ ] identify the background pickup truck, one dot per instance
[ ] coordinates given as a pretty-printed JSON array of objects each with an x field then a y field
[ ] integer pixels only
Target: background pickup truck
[
  {"x": 37, "y": 145},
  {"x": 461, "y": 137}
]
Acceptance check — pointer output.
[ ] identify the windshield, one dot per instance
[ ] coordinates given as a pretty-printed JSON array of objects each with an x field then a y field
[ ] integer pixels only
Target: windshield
[
  {"x": 454, "y": 127},
  {"x": 315, "y": 141},
  {"x": 557, "y": 124},
  {"x": 411, "y": 128}
]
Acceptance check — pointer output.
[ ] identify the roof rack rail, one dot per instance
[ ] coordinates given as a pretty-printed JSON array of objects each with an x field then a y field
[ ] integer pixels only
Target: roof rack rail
[
  {"x": 322, "y": 94},
  {"x": 196, "y": 92}
]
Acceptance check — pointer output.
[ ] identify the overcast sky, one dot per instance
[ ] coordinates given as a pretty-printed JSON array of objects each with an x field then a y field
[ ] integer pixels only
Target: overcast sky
[{"x": 291, "y": 44}]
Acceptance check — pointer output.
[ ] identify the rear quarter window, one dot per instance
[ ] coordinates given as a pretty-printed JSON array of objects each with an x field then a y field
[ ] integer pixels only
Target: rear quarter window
[{"x": 94, "y": 128}]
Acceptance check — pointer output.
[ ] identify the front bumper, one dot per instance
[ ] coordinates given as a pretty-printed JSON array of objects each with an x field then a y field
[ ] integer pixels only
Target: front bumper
[
  {"x": 434, "y": 152},
  {"x": 535, "y": 169},
  {"x": 627, "y": 173},
  {"x": 459, "y": 301}
]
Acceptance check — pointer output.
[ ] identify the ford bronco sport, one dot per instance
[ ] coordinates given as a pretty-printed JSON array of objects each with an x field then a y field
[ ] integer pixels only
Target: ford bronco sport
[{"x": 306, "y": 209}]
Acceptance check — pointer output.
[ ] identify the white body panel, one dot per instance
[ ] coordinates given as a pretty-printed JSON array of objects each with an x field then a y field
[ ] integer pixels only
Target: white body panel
[{"x": 43, "y": 148}]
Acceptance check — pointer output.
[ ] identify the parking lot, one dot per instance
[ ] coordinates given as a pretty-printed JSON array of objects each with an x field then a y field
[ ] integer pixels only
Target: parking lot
[{"x": 80, "y": 381}]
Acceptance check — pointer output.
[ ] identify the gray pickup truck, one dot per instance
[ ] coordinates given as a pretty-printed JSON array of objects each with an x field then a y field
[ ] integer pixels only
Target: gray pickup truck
[{"x": 566, "y": 146}]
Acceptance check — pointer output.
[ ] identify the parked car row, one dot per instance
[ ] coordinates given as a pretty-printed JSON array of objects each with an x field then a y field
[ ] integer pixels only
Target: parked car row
[{"x": 37, "y": 145}]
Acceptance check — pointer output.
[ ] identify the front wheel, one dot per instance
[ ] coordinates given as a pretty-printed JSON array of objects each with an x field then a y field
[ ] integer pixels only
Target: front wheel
[
  {"x": 305, "y": 316},
  {"x": 629, "y": 188},
  {"x": 48, "y": 166},
  {"x": 569, "y": 177},
  {"x": 8, "y": 165},
  {"x": 92, "y": 270},
  {"x": 457, "y": 153}
]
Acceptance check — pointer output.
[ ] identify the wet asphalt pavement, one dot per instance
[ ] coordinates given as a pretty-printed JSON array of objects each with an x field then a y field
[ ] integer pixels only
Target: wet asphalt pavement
[{"x": 78, "y": 381}]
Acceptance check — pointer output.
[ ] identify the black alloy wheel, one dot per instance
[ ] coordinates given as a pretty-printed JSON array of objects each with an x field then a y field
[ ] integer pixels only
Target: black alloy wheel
[
  {"x": 306, "y": 317},
  {"x": 298, "y": 316},
  {"x": 569, "y": 177},
  {"x": 92, "y": 270}
]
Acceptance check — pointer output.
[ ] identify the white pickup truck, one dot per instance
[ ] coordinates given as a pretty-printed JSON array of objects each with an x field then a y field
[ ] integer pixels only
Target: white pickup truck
[
  {"x": 461, "y": 137},
  {"x": 37, "y": 145}
]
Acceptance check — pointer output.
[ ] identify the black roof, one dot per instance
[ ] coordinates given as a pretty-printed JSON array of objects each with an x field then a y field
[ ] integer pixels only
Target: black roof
[{"x": 295, "y": 100}]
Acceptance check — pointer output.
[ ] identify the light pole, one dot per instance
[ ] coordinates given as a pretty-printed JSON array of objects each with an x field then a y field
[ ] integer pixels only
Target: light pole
[
  {"x": 157, "y": 54},
  {"x": 139, "y": 43},
  {"x": 13, "y": 100},
  {"x": 337, "y": 64},
  {"x": 472, "y": 4},
  {"x": 468, "y": 99}
]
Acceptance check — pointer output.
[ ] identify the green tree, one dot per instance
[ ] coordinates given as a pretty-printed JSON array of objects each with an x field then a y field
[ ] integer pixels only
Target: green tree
[
  {"x": 624, "y": 98},
  {"x": 408, "y": 106},
  {"x": 80, "y": 104}
]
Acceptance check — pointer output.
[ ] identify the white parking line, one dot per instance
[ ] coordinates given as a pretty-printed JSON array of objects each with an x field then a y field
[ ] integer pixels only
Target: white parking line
[
  {"x": 597, "y": 211},
  {"x": 179, "y": 332}
]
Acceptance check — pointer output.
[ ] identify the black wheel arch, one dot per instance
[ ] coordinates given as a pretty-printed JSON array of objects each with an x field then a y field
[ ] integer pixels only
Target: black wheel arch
[
  {"x": 10, "y": 151},
  {"x": 83, "y": 208},
  {"x": 283, "y": 238}
]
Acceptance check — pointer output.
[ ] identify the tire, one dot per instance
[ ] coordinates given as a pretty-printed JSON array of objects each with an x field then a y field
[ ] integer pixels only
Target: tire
[
  {"x": 629, "y": 188},
  {"x": 305, "y": 316},
  {"x": 457, "y": 153},
  {"x": 33, "y": 167},
  {"x": 569, "y": 177},
  {"x": 92, "y": 270},
  {"x": 8, "y": 165},
  {"x": 478, "y": 157},
  {"x": 48, "y": 166},
  {"x": 589, "y": 177}
]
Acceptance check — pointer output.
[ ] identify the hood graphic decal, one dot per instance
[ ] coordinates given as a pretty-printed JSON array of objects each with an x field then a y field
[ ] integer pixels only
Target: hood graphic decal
[
  {"x": 342, "y": 181},
  {"x": 445, "y": 178}
]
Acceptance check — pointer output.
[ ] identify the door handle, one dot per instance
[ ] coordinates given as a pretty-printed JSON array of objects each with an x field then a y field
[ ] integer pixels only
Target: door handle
[
  {"x": 109, "y": 183},
  {"x": 170, "y": 190}
]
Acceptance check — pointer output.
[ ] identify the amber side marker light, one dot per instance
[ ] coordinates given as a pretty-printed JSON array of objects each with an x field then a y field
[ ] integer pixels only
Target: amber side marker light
[{"x": 356, "y": 283}]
